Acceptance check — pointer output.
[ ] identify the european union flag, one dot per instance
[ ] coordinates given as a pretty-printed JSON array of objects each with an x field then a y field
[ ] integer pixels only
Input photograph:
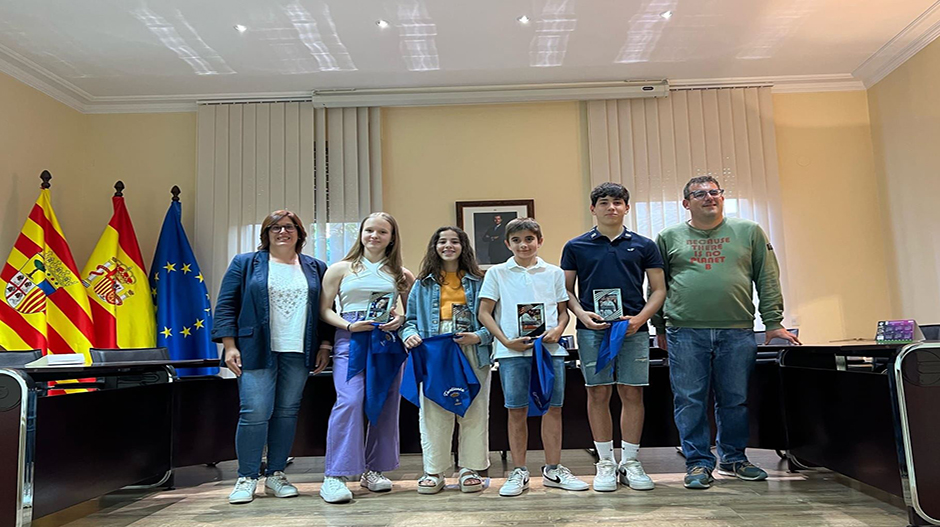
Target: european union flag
[{"x": 184, "y": 315}]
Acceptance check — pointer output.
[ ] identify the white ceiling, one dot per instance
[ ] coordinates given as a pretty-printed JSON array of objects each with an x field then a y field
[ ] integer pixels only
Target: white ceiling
[{"x": 109, "y": 51}]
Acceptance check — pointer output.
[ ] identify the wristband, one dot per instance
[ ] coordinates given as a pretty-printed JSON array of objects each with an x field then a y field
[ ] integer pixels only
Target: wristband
[{"x": 348, "y": 326}]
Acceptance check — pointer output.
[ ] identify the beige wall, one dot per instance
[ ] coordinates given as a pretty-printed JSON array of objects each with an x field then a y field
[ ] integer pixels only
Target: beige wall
[
  {"x": 36, "y": 133},
  {"x": 836, "y": 258},
  {"x": 86, "y": 155},
  {"x": 905, "y": 117},
  {"x": 148, "y": 152},
  {"x": 435, "y": 156}
]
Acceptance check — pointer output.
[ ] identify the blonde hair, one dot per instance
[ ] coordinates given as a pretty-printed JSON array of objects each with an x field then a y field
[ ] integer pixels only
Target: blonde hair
[{"x": 393, "y": 265}]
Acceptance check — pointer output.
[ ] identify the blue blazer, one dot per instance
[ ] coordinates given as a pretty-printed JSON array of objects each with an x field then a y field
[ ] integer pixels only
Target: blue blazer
[{"x": 242, "y": 310}]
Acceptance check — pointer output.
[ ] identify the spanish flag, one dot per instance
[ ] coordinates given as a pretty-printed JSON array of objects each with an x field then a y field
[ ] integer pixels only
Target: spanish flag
[
  {"x": 117, "y": 285},
  {"x": 44, "y": 303}
]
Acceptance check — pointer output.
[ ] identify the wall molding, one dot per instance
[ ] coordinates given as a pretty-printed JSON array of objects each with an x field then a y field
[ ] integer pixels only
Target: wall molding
[
  {"x": 39, "y": 78},
  {"x": 780, "y": 84},
  {"x": 915, "y": 37}
]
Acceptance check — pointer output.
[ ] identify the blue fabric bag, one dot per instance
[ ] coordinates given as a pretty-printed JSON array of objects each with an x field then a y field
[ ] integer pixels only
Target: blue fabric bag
[
  {"x": 447, "y": 376},
  {"x": 613, "y": 341},
  {"x": 542, "y": 381},
  {"x": 380, "y": 354}
]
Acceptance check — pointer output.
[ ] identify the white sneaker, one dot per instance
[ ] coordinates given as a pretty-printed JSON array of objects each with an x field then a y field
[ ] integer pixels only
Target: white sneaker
[
  {"x": 606, "y": 478},
  {"x": 518, "y": 481},
  {"x": 633, "y": 475},
  {"x": 562, "y": 478},
  {"x": 334, "y": 490},
  {"x": 278, "y": 485},
  {"x": 375, "y": 481},
  {"x": 244, "y": 491}
]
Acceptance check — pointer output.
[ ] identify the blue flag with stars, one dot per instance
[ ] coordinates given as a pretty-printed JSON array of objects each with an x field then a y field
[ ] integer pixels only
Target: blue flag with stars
[{"x": 184, "y": 315}]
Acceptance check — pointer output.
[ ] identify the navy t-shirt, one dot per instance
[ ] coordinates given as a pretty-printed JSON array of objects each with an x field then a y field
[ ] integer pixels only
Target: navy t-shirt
[{"x": 605, "y": 264}]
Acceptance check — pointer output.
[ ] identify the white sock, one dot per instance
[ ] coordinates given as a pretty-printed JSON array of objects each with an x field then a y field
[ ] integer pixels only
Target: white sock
[
  {"x": 629, "y": 451},
  {"x": 605, "y": 450}
]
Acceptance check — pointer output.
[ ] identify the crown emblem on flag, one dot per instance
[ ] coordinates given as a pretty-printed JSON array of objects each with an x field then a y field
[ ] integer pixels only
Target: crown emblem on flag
[
  {"x": 24, "y": 292},
  {"x": 110, "y": 281}
]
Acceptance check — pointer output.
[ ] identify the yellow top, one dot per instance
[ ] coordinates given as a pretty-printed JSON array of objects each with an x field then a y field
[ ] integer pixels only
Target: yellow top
[{"x": 451, "y": 293}]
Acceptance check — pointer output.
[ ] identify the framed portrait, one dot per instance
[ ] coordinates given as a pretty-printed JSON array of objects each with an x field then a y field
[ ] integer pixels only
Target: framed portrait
[{"x": 485, "y": 224}]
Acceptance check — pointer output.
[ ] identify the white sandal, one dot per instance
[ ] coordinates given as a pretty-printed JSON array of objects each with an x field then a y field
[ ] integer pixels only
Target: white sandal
[
  {"x": 433, "y": 489},
  {"x": 464, "y": 475}
]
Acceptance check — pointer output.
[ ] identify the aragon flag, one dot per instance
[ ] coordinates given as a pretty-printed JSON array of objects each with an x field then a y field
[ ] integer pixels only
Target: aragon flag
[
  {"x": 44, "y": 304},
  {"x": 117, "y": 285}
]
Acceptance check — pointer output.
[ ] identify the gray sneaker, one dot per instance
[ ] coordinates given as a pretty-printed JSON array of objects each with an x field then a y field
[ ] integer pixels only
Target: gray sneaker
[
  {"x": 698, "y": 478},
  {"x": 742, "y": 470},
  {"x": 278, "y": 485},
  {"x": 375, "y": 481},
  {"x": 244, "y": 491}
]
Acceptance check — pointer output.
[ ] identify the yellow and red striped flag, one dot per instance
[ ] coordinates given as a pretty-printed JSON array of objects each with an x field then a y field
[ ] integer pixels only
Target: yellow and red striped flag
[
  {"x": 44, "y": 303},
  {"x": 116, "y": 280}
]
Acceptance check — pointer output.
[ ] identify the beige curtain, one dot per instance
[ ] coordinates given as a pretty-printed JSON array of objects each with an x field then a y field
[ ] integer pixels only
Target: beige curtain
[
  {"x": 254, "y": 158},
  {"x": 654, "y": 146}
]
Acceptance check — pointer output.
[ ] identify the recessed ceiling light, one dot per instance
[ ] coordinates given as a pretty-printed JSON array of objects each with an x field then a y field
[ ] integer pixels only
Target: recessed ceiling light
[
  {"x": 523, "y": 19},
  {"x": 666, "y": 14},
  {"x": 381, "y": 23},
  {"x": 240, "y": 28}
]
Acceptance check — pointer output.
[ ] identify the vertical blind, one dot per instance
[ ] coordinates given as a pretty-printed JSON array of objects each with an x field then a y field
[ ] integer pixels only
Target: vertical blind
[
  {"x": 654, "y": 146},
  {"x": 254, "y": 158}
]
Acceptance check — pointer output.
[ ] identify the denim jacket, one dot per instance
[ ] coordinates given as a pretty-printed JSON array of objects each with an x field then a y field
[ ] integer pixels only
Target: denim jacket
[{"x": 423, "y": 315}]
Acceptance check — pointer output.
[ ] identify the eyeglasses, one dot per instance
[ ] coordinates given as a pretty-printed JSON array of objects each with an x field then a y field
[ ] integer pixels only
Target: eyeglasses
[
  {"x": 700, "y": 194},
  {"x": 283, "y": 228}
]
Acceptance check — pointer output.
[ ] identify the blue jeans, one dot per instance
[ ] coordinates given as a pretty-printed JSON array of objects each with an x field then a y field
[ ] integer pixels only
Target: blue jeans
[
  {"x": 717, "y": 359},
  {"x": 514, "y": 377},
  {"x": 270, "y": 400}
]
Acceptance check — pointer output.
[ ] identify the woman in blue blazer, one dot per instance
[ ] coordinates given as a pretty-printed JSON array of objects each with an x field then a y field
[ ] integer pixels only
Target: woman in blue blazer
[{"x": 267, "y": 319}]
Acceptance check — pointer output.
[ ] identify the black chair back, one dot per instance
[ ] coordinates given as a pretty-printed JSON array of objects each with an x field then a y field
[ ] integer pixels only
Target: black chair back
[
  {"x": 18, "y": 359},
  {"x": 104, "y": 356},
  {"x": 931, "y": 331}
]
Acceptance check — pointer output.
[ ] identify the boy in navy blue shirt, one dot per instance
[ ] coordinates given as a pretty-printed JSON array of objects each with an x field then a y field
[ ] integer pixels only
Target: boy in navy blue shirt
[{"x": 606, "y": 263}]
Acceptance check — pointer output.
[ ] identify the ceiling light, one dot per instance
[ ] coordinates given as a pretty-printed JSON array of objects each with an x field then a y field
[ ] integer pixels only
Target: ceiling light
[
  {"x": 523, "y": 19},
  {"x": 666, "y": 14},
  {"x": 381, "y": 23},
  {"x": 240, "y": 28}
]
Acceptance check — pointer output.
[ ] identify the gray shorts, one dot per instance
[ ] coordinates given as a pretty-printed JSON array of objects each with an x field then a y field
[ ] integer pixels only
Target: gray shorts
[{"x": 631, "y": 367}]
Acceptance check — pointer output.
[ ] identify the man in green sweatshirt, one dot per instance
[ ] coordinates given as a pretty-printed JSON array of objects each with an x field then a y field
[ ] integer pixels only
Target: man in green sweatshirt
[{"x": 707, "y": 326}]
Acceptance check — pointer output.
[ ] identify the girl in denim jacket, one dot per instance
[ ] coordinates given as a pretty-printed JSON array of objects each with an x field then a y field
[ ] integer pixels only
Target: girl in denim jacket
[{"x": 446, "y": 289}]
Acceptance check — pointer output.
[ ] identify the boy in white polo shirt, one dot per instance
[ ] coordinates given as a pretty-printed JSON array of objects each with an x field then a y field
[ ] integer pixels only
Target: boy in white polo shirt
[{"x": 524, "y": 280}]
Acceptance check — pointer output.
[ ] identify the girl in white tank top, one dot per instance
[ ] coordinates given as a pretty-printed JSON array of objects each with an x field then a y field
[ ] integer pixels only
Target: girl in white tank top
[
  {"x": 358, "y": 287},
  {"x": 353, "y": 445}
]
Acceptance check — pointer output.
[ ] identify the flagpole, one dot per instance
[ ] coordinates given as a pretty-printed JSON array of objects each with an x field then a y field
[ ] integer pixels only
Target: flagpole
[
  {"x": 176, "y": 193},
  {"x": 45, "y": 177},
  {"x": 119, "y": 189}
]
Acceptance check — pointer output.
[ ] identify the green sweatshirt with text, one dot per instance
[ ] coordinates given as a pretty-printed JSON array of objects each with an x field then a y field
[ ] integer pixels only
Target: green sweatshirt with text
[{"x": 709, "y": 277}]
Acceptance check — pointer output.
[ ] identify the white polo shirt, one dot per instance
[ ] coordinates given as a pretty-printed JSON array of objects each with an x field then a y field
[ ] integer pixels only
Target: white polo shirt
[{"x": 510, "y": 284}]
